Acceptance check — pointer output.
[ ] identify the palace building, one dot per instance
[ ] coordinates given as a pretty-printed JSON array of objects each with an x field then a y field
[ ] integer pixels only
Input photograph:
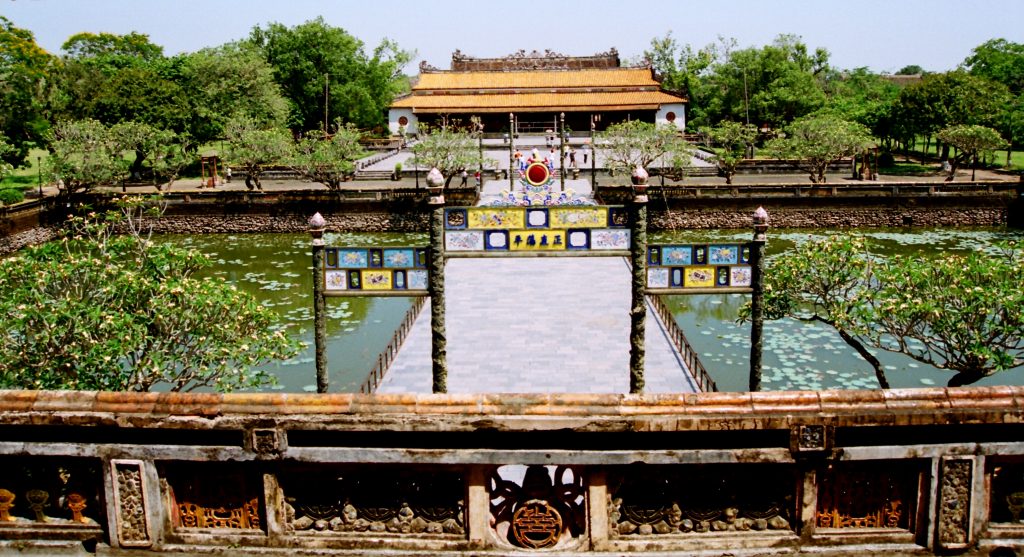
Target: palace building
[{"x": 536, "y": 88}]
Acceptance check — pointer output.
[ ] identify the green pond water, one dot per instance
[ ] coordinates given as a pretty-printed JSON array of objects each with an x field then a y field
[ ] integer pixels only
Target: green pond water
[{"x": 277, "y": 269}]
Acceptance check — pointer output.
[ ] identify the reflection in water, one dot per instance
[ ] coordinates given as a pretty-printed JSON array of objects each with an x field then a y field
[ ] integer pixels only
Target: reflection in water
[{"x": 811, "y": 356}]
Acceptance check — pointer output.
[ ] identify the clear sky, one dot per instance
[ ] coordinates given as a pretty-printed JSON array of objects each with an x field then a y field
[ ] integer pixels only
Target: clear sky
[{"x": 884, "y": 35}]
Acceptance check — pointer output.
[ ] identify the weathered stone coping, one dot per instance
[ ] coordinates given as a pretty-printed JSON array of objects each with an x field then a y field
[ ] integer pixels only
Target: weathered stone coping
[{"x": 519, "y": 412}]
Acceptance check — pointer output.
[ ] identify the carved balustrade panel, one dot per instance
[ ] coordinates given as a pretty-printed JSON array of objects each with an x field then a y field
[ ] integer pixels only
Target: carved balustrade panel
[
  {"x": 54, "y": 492},
  {"x": 693, "y": 500},
  {"x": 1006, "y": 502},
  {"x": 214, "y": 496},
  {"x": 374, "y": 499},
  {"x": 538, "y": 507},
  {"x": 870, "y": 494}
]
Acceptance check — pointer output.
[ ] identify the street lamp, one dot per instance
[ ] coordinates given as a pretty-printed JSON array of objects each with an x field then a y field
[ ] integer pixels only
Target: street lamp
[{"x": 39, "y": 169}]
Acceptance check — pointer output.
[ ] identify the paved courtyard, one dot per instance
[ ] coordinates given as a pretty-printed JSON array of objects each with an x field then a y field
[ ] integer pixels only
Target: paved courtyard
[{"x": 537, "y": 325}]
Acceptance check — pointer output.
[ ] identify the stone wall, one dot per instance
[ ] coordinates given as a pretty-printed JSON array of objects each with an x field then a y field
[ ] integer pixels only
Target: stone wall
[{"x": 826, "y": 217}]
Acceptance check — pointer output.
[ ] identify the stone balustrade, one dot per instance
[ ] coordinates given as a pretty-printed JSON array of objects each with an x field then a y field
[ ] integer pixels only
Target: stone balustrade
[{"x": 900, "y": 472}]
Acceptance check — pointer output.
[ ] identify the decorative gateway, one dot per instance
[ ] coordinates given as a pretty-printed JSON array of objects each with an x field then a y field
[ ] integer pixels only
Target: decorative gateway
[{"x": 537, "y": 183}]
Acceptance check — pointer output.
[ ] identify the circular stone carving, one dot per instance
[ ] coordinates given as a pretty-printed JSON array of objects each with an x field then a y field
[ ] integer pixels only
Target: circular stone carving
[
  {"x": 536, "y": 525},
  {"x": 670, "y": 116},
  {"x": 403, "y": 121},
  {"x": 537, "y": 174}
]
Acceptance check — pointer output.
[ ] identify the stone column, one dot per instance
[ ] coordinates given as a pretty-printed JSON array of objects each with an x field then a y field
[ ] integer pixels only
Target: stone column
[
  {"x": 478, "y": 508},
  {"x": 316, "y": 230},
  {"x": 438, "y": 338},
  {"x": 757, "y": 298},
  {"x": 638, "y": 257}
]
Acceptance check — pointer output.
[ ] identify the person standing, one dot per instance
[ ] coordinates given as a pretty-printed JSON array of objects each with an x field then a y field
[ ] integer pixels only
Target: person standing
[
  {"x": 572, "y": 156},
  {"x": 464, "y": 176},
  {"x": 586, "y": 153}
]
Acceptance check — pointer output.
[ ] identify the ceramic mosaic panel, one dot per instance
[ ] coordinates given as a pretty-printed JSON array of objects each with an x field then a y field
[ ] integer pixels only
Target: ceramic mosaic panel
[
  {"x": 657, "y": 277},
  {"x": 609, "y": 239},
  {"x": 490, "y": 218},
  {"x": 372, "y": 270},
  {"x": 464, "y": 240},
  {"x": 579, "y": 217},
  {"x": 495, "y": 230},
  {"x": 700, "y": 266},
  {"x": 536, "y": 240}
]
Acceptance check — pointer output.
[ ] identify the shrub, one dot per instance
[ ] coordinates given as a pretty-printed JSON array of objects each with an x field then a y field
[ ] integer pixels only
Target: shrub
[{"x": 9, "y": 196}]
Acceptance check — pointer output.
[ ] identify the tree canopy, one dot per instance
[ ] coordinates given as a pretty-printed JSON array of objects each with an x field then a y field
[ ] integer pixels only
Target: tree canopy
[
  {"x": 627, "y": 145},
  {"x": 449, "y": 150},
  {"x": 329, "y": 159},
  {"x": 25, "y": 71},
  {"x": 814, "y": 142},
  {"x": 962, "y": 313},
  {"x": 316, "y": 64},
  {"x": 104, "y": 311}
]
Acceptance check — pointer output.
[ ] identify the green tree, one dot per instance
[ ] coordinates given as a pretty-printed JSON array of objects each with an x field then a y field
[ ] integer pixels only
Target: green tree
[
  {"x": 772, "y": 85},
  {"x": 824, "y": 281},
  {"x": 84, "y": 155},
  {"x": 947, "y": 99},
  {"x": 25, "y": 79},
  {"x": 864, "y": 97},
  {"x": 5, "y": 149},
  {"x": 160, "y": 155},
  {"x": 733, "y": 140},
  {"x": 683, "y": 70},
  {"x": 970, "y": 141},
  {"x": 329, "y": 160},
  {"x": 317, "y": 64},
  {"x": 627, "y": 145},
  {"x": 122, "y": 78},
  {"x": 962, "y": 313},
  {"x": 230, "y": 81},
  {"x": 449, "y": 150},
  {"x": 911, "y": 69},
  {"x": 999, "y": 60},
  {"x": 99, "y": 311},
  {"x": 252, "y": 148},
  {"x": 814, "y": 142}
]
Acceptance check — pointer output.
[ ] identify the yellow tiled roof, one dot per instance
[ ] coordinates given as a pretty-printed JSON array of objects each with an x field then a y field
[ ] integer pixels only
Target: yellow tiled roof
[
  {"x": 619, "y": 77},
  {"x": 544, "y": 102}
]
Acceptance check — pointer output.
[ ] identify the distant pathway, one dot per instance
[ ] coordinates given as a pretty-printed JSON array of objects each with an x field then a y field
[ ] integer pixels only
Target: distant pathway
[{"x": 544, "y": 325}]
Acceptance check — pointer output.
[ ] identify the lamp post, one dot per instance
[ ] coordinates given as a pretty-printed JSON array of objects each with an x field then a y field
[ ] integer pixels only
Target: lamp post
[
  {"x": 316, "y": 230},
  {"x": 561, "y": 151},
  {"x": 638, "y": 257},
  {"x": 39, "y": 169},
  {"x": 511, "y": 148},
  {"x": 438, "y": 340},
  {"x": 757, "y": 297},
  {"x": 593, "y": 154}
]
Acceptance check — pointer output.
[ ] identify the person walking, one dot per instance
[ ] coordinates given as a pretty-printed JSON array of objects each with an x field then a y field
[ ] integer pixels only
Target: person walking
[
  {"x": 464, "y": 176},
  {"x": 586, "y": 153}
]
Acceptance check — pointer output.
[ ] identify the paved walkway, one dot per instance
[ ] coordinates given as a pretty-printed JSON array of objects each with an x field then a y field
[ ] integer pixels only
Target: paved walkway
[{"x": 544, "y": 325}]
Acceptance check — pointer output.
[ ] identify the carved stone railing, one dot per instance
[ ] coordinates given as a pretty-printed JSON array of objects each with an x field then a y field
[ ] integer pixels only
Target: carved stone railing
[{"x": 900, "y": 472}]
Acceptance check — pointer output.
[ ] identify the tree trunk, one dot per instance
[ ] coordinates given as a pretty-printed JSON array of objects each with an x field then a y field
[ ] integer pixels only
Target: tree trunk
[
  {"x": 945, "y": 150},
  {"x": 966, "y": 377},
  {"x": 728, "y": 177},
  {"x": 868, "y": 356},
  {"x": 974, "y": 167},
  {"x": 248, "y": 181}
]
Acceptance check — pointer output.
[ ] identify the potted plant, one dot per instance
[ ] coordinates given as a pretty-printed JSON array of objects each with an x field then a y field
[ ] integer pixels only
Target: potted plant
[{"x": 397, "y": 174}]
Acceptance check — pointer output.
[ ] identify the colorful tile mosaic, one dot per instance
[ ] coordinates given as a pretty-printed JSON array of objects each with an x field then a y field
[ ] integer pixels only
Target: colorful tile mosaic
[
  {"x": 699, "y": 266},
  {"x": 375, "y": 269},
  {"x": 520, "y": 229}
]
